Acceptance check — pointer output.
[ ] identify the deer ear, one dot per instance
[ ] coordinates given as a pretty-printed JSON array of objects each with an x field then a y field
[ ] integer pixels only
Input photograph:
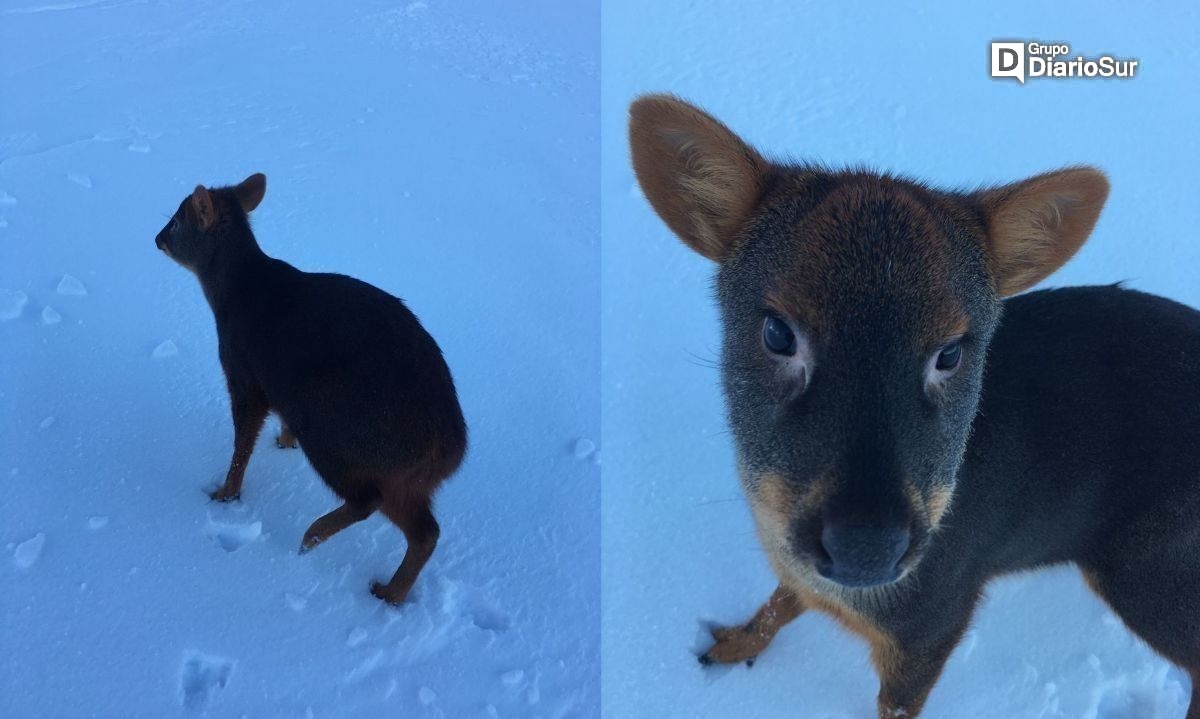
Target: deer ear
[
  {"x": 1035, "y": 226},
  {"x": 203, "y": 209},
  {"x": 251, "y": 190},
  {"x": 700, "y": 177}
]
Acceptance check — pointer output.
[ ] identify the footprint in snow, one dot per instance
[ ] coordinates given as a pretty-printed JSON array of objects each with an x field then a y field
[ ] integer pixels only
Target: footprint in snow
[
  {"x": 487, "y": 617},
  {"x": 12, "y": 304},
  {"x": 513, "y": 678},
  {"x": 583, "y": 448},
  {"x": 165, "y": 349},
  {"x": 295, "y": 602},
  {"x": 426, "y": 696},
  {"x": 470, "y": 603},
  {"x": 27, "y": 553},
  {"x": 71, "y": 287},
  {"x": 201, "y": 676},
  {"x": 232, "y": 537}
]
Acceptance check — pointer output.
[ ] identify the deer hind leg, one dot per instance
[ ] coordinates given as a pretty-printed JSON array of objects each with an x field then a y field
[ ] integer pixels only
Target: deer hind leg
[
  {"x": 414, "y": 516},
  {"x": 285, "y": 439},
  {"x": 745, "y": 642},
  {"x": 330, "y": 524}
]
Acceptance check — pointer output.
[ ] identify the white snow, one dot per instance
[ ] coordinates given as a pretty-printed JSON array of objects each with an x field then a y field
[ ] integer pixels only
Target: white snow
[
  {"x": 426, "y": 696},
  {"x": 12, "y": 304},
  {"x": 71, "y": 286},
  {"x": 583, "y": 448},
  {"x": 164, "y": 349},
  {"x": 200, "y": 676},
  {"x": 150, "y": 600},
  {"x": 26, "y": 553},
  {"x": 903, "y": 88}
]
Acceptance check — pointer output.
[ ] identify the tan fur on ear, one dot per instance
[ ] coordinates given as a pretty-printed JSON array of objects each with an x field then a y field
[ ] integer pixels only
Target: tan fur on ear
[
  {"x": 700, "y": 177},
  {"x": 251, "y": 190},
  {"x": 202, "y": 207},
  {"x": 1035, "y": 226}
]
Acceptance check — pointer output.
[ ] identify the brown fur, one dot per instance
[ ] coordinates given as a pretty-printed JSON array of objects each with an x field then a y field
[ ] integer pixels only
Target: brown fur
[
  {"x": 937, "y": 505},
  {"x": 816, "y": 269},
  {"x": 360, "y": 386},
  {"x": 744, "y": 643},
  {"x": 693, "y": 158},
  {"x": 875, "y": 272},
  {"x": 285, "y": 439},
  {"x": 1029, "y": 221}
]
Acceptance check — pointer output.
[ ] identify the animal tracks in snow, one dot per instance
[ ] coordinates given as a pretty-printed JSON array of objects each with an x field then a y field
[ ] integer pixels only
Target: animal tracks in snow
[
  {"x": 27, "y": 553},
  {"x": 12, "y": 304},
  {"x": 70, "y": 286},
  {"x": 200, "y": 677},
  {"x": 232, "y": 536},
  {"x": 165, "y": 349}
]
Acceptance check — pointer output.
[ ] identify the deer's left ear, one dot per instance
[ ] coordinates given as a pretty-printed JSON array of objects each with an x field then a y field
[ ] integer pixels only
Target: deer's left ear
[
  {"x": 203, "y": 209},
  {"x": 1035, "y": 226},
  {"x": 251, "y": 190}
]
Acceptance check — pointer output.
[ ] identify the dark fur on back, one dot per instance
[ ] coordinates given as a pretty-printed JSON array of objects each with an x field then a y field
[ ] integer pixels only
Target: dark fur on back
[
  {"x": 350, "y": 370},
  {"x": 352, "y": 373},
  {"x": 903, "y": 433}
]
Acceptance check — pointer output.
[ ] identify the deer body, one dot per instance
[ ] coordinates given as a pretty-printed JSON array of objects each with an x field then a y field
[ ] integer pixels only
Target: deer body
[
  {"x": 904, "y": 433},
  {"x": 359, "y": 384}
]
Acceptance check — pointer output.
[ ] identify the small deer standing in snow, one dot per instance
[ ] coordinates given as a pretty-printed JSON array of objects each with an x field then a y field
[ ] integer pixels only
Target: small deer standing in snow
[
  {"x": 358, "y": 382},
  {"x": 903, "y": 433}
]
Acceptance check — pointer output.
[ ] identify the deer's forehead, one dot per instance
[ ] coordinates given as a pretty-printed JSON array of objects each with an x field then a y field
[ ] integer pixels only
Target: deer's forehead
[{"x": 875, "y": 255}]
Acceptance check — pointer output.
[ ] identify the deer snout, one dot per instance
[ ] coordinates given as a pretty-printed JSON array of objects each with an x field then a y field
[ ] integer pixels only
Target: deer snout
[{"x": 862, "y": 555}]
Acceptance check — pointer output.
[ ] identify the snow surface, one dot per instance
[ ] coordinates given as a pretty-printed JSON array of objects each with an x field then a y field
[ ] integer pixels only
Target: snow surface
[
  {"x": 899, "y": 87},
  {"x": 446, "y": 152}
]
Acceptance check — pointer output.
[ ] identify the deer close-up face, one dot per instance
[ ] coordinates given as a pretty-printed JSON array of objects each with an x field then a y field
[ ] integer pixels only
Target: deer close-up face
[
  {"x": 852, "y": 366},
  {"x": 857, "y": 309}
]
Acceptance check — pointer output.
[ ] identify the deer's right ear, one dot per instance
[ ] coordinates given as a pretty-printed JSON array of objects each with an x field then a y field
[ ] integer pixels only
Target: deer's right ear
[
  {"x": 700, "y": 177},
  {"x": 202, "y": 208},
  {"x": 250, "y": 191}
]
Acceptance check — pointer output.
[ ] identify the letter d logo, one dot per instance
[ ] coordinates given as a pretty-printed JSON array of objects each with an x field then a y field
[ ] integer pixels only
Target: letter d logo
[{"x": 1008, "y": 60}]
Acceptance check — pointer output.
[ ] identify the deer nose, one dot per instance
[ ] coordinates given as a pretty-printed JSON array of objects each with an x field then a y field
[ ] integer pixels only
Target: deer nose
[{"x": 862, "y": 555}]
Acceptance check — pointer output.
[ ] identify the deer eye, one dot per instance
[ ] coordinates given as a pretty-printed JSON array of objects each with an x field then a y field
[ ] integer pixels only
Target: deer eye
[
  {"x": 949, "y": 357},
  {"x": 778, "y": 338}
]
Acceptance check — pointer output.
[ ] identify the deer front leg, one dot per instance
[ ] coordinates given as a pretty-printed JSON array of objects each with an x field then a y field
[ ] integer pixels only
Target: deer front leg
[
  {"x": 908, "y": 670},
  {"x": 249, "y": 413},
  {"x": 744, "y": 643}
]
